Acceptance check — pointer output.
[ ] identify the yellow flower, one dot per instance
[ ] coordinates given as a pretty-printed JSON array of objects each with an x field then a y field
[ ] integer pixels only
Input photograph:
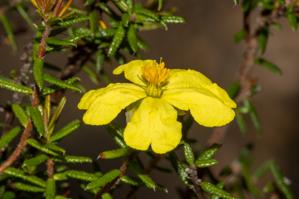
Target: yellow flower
[{"x": 153, "y": 100}]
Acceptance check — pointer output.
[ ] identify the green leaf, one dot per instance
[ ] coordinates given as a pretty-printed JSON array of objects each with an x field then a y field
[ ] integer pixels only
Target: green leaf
[
  {"x": 73, "y": 21},
  {"x": 268, "y": 65},
  {"x": 292, "y": 18},
  {"x": 209, "y": 153},
  {"x": 60, "y": 177},
  {"x": 241, "y": 123},
  {"x": 81, "y": 175},
  {"x": 37, "y": 119},
  {"x": 100, "y": 58},
  {"x": 125, "y": 19},
  {"x": 9, "y": 30},
  {"x": 78, "y": 159},
  {"x": 248, "y": 5},
  {"x": 263, "y": 35},
  {"x": 11, "y": 85},
  {"x": 25, "y": 16},
  {"x": 38, "y": 73},
  {"x": 141, "y": 44},
  {"x": 189, "y": 156},
  {"x": 93, "y": 21},
  {"x": 54, "y": 147},
  {"x": 255, "y": 118},
  {"x": 59, "y": 42},
  {"x": 172, "y": 19},
  {"x": 145, "y": 12},
  {"x": 93, "y": 76},
  {"x": 79, "y": 34},
  {"x": 89, "y": 2},
  {"x": 280, "y": 181},
  {"x": 8, "y": 195},
  {"x": 205, "y": 163},
  {"x": 58, "y": 82},
  {"x": 116, "y": 133},
  {"x": 103, "y": 180},
  {"x": 34, "y": 143},
  {"x": 117, "y": 40},
  {"x": 129, "y": 180},
  {"x": 117, "y": 153},
  {"x": 20, "y": 114},
  {"x": 234, "y": 89},
  {"x": 214, "y": 190},
  {"x": 20, "y": 174},
  {"x": 35, "y": 161},
  {"x": 56, "y": 114},
  {"x": 179, "y": 167},
  {"x": 50, "y": 189},
  {"x": 239, "y": 36},
  {"x": 2, "y": 190},
  {"x": 121, "y": 4},
  {"x": 107, "y": 33},
  {"x": 69, "y": 128},
  {"x": 182, "y": 171},
  {"x": 219, "y": 185},
  {"x": 132, "y": 38},
  {"x": 106, "y": 196},
  {"x": 103, "y": 6},
  {"x": 28, "y": 188},
  {"x": 148, "y": 181},
  {"x": 6, "y": 138}
]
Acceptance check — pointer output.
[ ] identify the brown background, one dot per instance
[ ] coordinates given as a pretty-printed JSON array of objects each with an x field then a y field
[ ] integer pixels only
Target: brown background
[{"x": 206, "y": 43}]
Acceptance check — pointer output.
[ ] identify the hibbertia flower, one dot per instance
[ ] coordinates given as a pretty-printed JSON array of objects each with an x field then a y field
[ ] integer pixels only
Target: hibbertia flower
[{"x": 153, "y": 99}]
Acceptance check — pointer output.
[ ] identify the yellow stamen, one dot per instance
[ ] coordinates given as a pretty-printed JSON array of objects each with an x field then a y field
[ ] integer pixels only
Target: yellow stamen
[
  {"x": 156, "y": 73},
  {"x": 156, "y": 76}
]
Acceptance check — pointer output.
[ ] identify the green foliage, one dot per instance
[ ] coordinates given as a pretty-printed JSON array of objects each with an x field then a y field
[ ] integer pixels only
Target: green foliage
[
  {"x": 92, "y": 35},
  {"x": 9, "y": 136},
  {"x": 11, "y": 85}
]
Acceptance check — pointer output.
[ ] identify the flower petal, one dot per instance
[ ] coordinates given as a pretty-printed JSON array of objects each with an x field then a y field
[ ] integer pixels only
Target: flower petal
[
  {"x": 89, "y": 97},
  {"x": 154, "y": 123},
  {"x": 105, "y": 104},
  {"x": 192, "y": 79},
  {"x": 133, "y": 70},
  {"x": 206, "y": 108}
]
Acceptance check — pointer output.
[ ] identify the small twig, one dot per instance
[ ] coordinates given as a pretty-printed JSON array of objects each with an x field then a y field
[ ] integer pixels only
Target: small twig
[
  {"x": 249, "y": 56},
  {"x": 21, "y": 145},
  {"x": 43, "y": 43},
  {"x": 50, "y": 167},
  {"x": 193, "y": 176},
  {"x": 153, "y": 163},
  {"x": 123, "y": 169},
  {"x": 244, "y": 76}
]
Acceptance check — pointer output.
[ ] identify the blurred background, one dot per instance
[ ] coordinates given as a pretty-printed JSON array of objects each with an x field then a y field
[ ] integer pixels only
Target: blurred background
[{"x": 205, "y": 43}]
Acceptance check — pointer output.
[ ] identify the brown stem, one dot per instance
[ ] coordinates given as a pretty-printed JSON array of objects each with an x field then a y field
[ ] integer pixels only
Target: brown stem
[
  {"x": 123, "y": 169},
  {"x": 244, "y": 75},
  {"x": 153, "y": 163},
  {"x": 249, "y": 56},
  {"x": 43, "y": 43},
  {"x": 50, "y": 168},
  {"x": 193, "y": 176},
  {"x": 21, "y": 145}
]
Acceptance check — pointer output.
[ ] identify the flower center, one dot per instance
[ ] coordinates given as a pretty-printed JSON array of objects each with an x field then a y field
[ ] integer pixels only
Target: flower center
[{"x": 155, "y": 76}]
